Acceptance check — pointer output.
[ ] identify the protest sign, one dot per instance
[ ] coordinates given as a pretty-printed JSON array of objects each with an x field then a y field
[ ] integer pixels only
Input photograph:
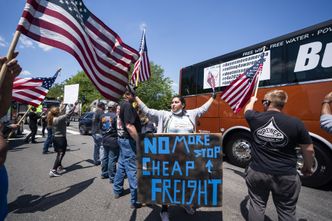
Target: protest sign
[
  {"x": 71, "y": 93},
  {"x": 180, "y": 169}
]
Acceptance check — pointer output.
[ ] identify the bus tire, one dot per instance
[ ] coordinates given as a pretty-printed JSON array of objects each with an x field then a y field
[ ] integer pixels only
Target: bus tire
[
  {"x": 83, "y": 130},
  {"x": 238, "y": 148},
  {"x": 322, "y": 167}
]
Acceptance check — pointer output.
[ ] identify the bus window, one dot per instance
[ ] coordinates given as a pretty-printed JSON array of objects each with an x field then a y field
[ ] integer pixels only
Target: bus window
[{"x": 188, "y": 81}]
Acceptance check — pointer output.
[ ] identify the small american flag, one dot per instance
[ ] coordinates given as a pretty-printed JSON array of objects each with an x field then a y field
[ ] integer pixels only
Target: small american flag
[
  {"x": 142, "y": 65},
  {"x": 211, "y": 81},
  {"x": 32, "y": 90},
  {"x": 70, "y": 26},
  {"x": 240, "y": 90}
]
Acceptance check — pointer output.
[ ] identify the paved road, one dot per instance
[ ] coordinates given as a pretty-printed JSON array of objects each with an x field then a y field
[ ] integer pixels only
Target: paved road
[{"x": 79, "y": 194}]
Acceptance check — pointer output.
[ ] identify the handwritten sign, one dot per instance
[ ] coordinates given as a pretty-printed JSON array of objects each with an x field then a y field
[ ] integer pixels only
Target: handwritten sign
[{"x": 180, "y": 169}]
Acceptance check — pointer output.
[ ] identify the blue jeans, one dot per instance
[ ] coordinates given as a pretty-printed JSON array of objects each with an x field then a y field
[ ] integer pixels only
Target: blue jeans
[
  {"x": 126, "y": 165},
  {"x": 97, "y": 138},
  {"x": 48, "y": 140},
  {"x": 3, "y": 192},
  {"x": 109, "y": 159}
]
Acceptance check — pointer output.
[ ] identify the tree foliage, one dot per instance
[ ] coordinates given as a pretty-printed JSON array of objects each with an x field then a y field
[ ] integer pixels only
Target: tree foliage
[{"x": 157, "y": 91}]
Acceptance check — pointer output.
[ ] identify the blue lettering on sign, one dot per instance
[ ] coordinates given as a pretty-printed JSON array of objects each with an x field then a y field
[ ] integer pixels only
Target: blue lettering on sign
[
  {"x": 176, "y": 169},
  {"x": 166, "y": 187},
  {"x": 208, "y": 152},
  {"x": 176, "y": 190},
  {"x": 163, "y": 168},
  {"x": 155, "y": 168},
  {"x": 192, "y": 184},
  {"x": 145, "y": 161},
  {"x": 215, "y": 184},
  {"x": 202, "y": 191},
  {"x": 155, "y": 188},
  {"x": 150, "y": 145},
  {"x": 190, "y": 189},
  {"x": 160, "y": 145},
  {"x": 181, "y": 139}
]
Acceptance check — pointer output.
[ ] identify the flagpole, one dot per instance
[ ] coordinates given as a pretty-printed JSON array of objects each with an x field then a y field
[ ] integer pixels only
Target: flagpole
[
  {"x": 9, "y": 56},
  {"x": 137, "y": 76},
  {"x": 259, "y": 75},
  {"x": 142, "y": 46}
]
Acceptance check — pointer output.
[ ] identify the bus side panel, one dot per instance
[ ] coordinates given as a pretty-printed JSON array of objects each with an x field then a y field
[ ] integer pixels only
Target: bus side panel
[
  {"x": 191, "y": 102},
  {"x": 213, "y": 110}
]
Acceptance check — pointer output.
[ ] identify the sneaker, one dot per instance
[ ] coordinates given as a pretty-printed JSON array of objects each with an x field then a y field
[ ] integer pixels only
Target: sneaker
[
  {"x": 54, "y": 173},
  {"x": 135, "y": 205},
  {"x": 103, "y": 176},
  {"x": 46, "y": 152},
  {"x": 60, "y": 169},
  {"x": 116, "y": 196},
  {"x": 96, "y": 163},
  {"x": 189, "y": 210},
  {"x": 164, "y": 216}
]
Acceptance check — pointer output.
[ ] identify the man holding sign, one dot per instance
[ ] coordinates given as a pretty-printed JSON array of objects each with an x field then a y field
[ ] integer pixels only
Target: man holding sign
[{"x": 178, "y": 120}]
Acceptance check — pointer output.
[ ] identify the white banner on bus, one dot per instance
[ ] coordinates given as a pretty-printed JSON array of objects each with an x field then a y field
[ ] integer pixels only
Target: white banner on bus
[{"x": 228, "y": 71}]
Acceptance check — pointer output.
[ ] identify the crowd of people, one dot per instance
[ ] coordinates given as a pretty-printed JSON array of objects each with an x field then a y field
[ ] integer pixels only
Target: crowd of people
[{"x": 116, "y": 136}]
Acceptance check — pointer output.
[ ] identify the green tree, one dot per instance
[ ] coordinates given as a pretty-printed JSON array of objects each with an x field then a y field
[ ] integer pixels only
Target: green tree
[
  {"x": 86, "y": 89},
  {"x": 56, "y": 91},
  {"x": 157, "y": 91}
]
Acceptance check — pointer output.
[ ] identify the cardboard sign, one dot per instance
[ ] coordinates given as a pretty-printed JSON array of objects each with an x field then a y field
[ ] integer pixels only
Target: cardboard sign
[
  {"x": 71, "y": 93},
  {"x": 180, "y": 169}
]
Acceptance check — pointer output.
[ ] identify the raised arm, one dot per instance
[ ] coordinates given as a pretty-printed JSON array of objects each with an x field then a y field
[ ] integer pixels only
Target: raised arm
[
  {"x": 326, "y": 115},
  {"x": 149, "y": 111},
  {"x": 250, "y": 105},
  {"x": 204, "y": 108},
  {"x": 13, "y": 69}
]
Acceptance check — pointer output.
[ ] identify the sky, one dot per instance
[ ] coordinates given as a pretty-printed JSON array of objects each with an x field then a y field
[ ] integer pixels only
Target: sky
[{"x": 179, "y": 33}]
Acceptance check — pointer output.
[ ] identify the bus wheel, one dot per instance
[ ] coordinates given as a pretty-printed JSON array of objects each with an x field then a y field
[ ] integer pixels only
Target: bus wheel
[
  {"x": 83, "y": 130},
  {"x": 322, "y": 167},
  {"x": 238, "y": 148}
]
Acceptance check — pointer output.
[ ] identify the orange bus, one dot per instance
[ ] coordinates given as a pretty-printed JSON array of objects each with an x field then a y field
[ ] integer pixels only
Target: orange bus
[{"x": 299, "y": 63}]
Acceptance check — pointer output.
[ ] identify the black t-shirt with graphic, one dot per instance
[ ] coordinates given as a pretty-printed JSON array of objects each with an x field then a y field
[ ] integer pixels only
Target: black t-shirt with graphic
[
  {"x": 275, "y": 137},
  {"x": 129, "y": 115}
]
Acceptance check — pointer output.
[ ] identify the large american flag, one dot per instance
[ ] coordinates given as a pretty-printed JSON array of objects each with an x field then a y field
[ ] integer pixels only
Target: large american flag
[
  {"x": 240, "y": 90},
  {"x": 70, "y": 26},
  {"x": 32, "y": 90},
  {"x": 142, "y": 65}
]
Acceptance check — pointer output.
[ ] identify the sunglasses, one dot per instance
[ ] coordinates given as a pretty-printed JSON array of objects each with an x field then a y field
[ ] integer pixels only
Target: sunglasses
[{"x": 266, "y": 102}]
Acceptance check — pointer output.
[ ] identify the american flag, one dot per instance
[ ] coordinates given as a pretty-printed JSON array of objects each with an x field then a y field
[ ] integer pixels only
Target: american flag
[
  {"x": 32, "y": 90},
  {"x": 70, "y": 26},
  {"x": 142, "y": 65},
  {"x": 240, "y": 90}
]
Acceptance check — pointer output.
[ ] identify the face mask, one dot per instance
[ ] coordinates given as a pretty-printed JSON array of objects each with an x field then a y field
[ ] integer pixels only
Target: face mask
[{"x": 177, "y": 113}]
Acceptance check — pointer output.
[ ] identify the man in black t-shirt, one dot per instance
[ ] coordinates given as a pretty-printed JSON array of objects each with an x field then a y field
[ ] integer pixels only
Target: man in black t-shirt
[
  {"x": 130, "y": 127},
  {"x": 273, "y": 165},
  {"x": 33, "y": 126}
]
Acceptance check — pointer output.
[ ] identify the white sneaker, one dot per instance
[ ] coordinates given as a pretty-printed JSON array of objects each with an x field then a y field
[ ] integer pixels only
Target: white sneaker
[
  {"x": 164, "y": 216},
  {"x": 189, "y": 210},
  {"x": 53, "y": 173}
]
